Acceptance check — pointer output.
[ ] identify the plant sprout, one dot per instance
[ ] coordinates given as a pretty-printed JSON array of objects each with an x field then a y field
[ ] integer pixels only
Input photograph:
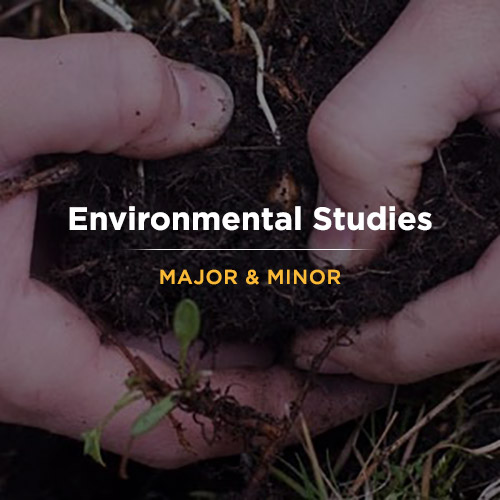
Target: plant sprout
[
  {"x": 187, "y": 322},
  {"x": 92, "y": 438},
  {"x": 148, "y": 420},
  {"x": 186, "y": 326}
]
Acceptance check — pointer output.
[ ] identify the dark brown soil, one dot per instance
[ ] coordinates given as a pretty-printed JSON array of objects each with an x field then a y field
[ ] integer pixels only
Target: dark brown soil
[
  {"x": 315, "y": 43},
  {"x": 310, "y": 54}
]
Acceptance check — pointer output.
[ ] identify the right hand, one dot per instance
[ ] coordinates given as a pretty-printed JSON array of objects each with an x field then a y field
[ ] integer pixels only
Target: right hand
[{"x": 437, "y": 66}]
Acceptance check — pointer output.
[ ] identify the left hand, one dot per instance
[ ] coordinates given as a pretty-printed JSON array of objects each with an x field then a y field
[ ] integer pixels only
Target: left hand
[{"x": 113, "y": 93}]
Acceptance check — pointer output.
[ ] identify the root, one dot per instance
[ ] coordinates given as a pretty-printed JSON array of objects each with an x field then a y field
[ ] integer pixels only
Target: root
[
  {"x": 259, "y": 51},
  {"x": 10, "y": 188},
  {"x": 224, "y": 412},
  {"x": 274, "y": 448},
  {"x": 17, "y": 9},
  {"x": 111, "y": 9},
  {"x": 237, "y": 27},
  {"x": 377, "y": 458}
]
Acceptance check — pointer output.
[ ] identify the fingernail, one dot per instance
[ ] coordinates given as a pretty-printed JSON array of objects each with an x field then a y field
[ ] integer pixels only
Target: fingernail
[
  {"x": 337, "y": 244},
  {"x": 206, "y": 101},
  {"x": 305, "y": 362}
]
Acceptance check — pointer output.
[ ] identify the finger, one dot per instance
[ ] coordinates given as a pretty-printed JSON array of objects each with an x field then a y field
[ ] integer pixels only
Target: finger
[
  {"x": 104, "y": 93},
  {"x": 452, "y": 326},
  {"x": 56, "y": 375},
  {"x": 221, "y": 357},
  {"x": 17, "y": 220},
  {"x": 436, "y": 67}
]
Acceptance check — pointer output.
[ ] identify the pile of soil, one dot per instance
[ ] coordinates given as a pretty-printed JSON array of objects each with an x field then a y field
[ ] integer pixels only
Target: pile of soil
[{"x": 311, "y": 47}]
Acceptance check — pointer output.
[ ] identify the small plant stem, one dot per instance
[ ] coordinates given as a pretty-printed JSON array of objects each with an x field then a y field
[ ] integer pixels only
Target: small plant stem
[
  {"x": 237, "y": 28},
  {"x": 377, "y": 446},
  {"x": 141, "y": 178},
  {"x": 111, "y": 9},
  {"x": 125, "y": 458},
  {"x": 270, "y": 16},
  {"x": 259, "y": 51},
  {"x": 487, "y": 371},
  {"x": 10, "y": 188},
  {"x": 271, "y": 452},
  {"x": 187, "y": 20},
  {"x": 64, "y": 17},
  {"x": 17, "y": 9},
  {"x": 313, "y": 457},
  {"x": 182, "y": 361},
  {"x": 204, "y": 403}
]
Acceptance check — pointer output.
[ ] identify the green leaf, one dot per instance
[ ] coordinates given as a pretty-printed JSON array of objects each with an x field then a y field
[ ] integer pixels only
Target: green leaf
[
  {"x": 152, "y": 417},
  {"x": 127, "y": 399},
  {"x": 187, "y": 322},
  {"x": 92, "y": 445}
]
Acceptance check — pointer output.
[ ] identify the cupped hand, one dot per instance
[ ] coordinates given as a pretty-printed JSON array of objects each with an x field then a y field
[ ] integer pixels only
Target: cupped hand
[
  {"x": 436, "y": 67},
  {"x": 112, "y": 93}
]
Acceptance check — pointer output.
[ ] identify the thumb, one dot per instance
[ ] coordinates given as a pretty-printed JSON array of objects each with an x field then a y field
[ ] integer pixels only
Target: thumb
[
  {"x": 104, "y": 93},
  {"x": 436, "y": 67},
  {"x": 427, "y": 337}
]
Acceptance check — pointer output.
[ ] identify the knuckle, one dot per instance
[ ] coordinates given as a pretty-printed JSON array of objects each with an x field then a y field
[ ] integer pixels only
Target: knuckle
[
  {"x": 340, "y": 147},
  {"x": 138, "y": 80},
  {"x": 278, "y": 387},
  {"x": 485, "y": 334},
  {"x": 380, "y": 358},
  {"x": 324, "y": 128},
  {"x": 482, "y": 284}
]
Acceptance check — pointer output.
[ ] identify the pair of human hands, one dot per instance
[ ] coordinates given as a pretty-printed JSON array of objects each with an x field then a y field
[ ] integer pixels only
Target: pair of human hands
[{"x": 114, "y": 93}]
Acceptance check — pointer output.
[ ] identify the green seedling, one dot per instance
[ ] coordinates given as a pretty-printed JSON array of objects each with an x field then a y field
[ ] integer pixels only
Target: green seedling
[
  {"x": 187, "y": 322},
  {"x": 92, "y": 438},
  {"x": 186, "y": 326},
  {"x": 92, "y": 445},
  {"x": 148, "y": 420}
]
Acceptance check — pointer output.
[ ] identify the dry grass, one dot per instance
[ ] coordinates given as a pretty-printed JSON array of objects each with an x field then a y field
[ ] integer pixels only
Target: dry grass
[{"x": 393, "y": 470}]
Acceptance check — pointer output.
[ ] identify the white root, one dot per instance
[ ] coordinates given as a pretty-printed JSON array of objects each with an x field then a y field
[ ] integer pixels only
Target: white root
[
  {"x": 224, "y": 15},
  {"x": 115, "y": 12},
  {"x": 142, "y": 178},
  {"x": 187, "y": 20}
]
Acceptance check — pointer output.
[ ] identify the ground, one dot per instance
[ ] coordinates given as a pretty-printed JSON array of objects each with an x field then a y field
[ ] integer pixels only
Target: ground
[{"x": 314, "y": 44}]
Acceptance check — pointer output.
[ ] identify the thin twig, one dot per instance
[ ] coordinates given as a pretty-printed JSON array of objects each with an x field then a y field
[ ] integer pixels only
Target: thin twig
[
  {"x": 491, "y": 492},
  {"x": 363, "y": 475},
  {"x": 270, "y": 17},
  {"x": 17, "y": 9},
  {"x": 413, "y": 441},
  {"x": 36, "y": 16},
  {"x": 274, "y": 447},
  {"x": 141, "y": 178},
  {"x": 237, "y": 28},
  {"x": 261, "y": 97},
  {"x": 348, "y": 448},
  {"x": 313, "y": 458},
  {"x": 64, "y": 17},
  {"x": 487, "y": 371},
  {"x": 10, "y": 188},
  {"x": 187, "y": 20},
  {"x": 111, "y": 9}
]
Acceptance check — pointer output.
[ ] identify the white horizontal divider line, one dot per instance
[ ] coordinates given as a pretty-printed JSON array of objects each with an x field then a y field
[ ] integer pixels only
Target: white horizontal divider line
[{"x": 250, "y": 249}]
